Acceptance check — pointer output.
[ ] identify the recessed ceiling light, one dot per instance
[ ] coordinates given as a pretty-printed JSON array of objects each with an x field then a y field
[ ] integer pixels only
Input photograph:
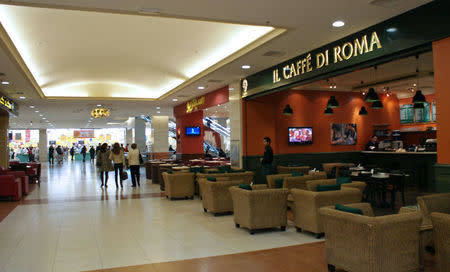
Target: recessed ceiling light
[
  {"x": 175, "y": 99},
  {"x": 391, "y": 30},
  {"x": 230, "y": 89},
  {"x": 158, "y": 112},
  {"x": 338, "y": 23},
  {"x": 31, "y": 107},
  {"x": 43, "y": 118},
  {"x": 201, "y": 87},
  {"x": 246, "y": 66},
  {"x": 99, "y": 105},
  {"x": 41, "y": 115},
  {"x": 5, "y": 82},
  {"x": 36, "y": 111},
  {"x": 158, "y": 108},
  {"x": 22, "y": 97}
]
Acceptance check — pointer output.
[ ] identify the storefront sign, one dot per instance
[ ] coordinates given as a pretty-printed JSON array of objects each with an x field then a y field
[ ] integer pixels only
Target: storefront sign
[
  {"x": 409, "y": 33},
  {"x": 7, "y": 104},
  {"x": 83, "y": 133},
  {"x": 27, "y": 136},
  {"x": 194, "y": 104}
]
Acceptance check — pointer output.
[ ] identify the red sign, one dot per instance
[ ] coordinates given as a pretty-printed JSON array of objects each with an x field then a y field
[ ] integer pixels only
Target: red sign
[
  {"x": 83, "y": 133},
  {"x": 27, "y": 136}
]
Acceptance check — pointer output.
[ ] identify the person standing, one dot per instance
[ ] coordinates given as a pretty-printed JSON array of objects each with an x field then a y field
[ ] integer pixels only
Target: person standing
[
  {"x": 92, "y": 153},
  {"x": 51, "y": 152},
  {"x": 134, "y": 163},
  {"x": 59, "y": 154},
  {"x": 104, "y": 164},
  {"x": 83, "y": 152},
  {"x": 72, "y": 152},
  {"x": 119, "y": 160},
  {"x": 372, "y": 145},
  {"x": 267, "y": 159}
]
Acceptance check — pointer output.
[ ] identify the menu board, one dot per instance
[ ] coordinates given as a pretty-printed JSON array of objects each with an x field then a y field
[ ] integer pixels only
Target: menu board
[
  {"x": 422, "y": 115},
  {"x": 433, "y": 111},
  {"x": 406, "y": 114}
]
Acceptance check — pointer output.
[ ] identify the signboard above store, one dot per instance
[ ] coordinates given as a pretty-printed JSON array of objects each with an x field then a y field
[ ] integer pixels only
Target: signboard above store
[
  {"x": 7, "y": 104},
  {"x": 408, "y": 33},
  {"x": 194, "y": 104}
]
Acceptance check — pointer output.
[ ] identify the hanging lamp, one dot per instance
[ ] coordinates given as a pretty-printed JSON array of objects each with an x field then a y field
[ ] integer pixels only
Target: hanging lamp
[
  {"x": 332, "y": 102},
  {"x": 372, "y": 96},
  {"x": 328, "y": 111},
  {"x": 418, "y": 98},
  {"x": 288, "y": 110},
  {"x": 363, "y": 111},
  {"x": 377, "y": 105}
]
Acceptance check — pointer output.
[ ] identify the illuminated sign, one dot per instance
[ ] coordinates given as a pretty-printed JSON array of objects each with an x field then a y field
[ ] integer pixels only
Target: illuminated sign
[
  {"x": 194, "y": 104},
  {"x": 7, "y": 104}
]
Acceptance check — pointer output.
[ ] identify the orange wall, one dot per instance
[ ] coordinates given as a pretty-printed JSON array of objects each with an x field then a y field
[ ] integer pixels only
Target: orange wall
[
  {"x": 263, "y": 117},
  {"x": 420, "y": 126},
  {"x": 441, "y": 60}
]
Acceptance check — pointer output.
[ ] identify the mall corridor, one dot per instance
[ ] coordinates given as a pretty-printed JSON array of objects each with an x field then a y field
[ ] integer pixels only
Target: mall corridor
[{"x": 70, "y": 224}]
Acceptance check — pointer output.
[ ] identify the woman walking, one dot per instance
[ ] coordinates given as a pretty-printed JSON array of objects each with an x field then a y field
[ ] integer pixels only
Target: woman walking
[
  {"x": 104, "y": 164},
  {"x": 134, "y": 163},
  {"x": 92, "y": 153},
  {"x": 119, "y": 161}
]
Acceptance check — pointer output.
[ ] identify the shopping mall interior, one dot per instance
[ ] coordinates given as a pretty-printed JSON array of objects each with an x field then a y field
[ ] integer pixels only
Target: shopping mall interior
[{"x": 207, "y": 136}]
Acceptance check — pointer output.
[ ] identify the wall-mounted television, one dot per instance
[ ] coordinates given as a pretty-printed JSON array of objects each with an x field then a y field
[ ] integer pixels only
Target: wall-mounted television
[
  {"x": 300, "y": 135},
  {"x": 192, "y": 131}
]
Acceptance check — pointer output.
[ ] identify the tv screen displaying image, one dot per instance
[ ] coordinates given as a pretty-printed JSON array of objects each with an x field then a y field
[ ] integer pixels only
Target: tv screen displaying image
[
  {"x": 192, "y": 131},
  {"x": 343, "y": 134},
  {"x": 300, "y": 135}
]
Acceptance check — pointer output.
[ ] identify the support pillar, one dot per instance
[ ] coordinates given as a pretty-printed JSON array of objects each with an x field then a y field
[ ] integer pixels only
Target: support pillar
[
  {"x": 139, "y": 134},
  {"x": 43, "y": 145},
  {"x": 160, "y": 127},
  {"x": 235, "y": 125},
  {"x": 4, "y": 150},
  {"x": 129, "y": 136}
]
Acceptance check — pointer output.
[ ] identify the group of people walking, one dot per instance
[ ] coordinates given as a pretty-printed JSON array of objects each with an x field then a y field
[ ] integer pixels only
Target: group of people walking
[{"x": 114, "y": 160}]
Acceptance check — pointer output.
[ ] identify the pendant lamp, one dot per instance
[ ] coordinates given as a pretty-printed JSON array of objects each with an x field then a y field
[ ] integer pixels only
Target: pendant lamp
[
  {"x": 419, "y": 98},
  {"x": 332, "y": 102},
  {"x": 363, "y": 111},
  {"x": 288, "y": 110},
  {"x": 372, "y": 96},
  {"x": 328, "y": 111},
  {"x": 377, "y": 105}
]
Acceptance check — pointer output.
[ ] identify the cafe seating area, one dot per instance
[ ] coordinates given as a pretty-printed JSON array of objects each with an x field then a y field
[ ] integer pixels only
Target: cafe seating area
[{"x": 14, "y": 181}]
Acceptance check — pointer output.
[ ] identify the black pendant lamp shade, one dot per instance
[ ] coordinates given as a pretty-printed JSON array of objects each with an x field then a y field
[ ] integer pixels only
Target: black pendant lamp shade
[
  {"x": 288, "y": 110},
  {"x": 332, "y": 102},
  {"x": 418, "y": 106},
  {"x": 377, "y": 105},
  {"x": 363, "y": 111},
  {"x": 419, "y": 98},
  {"x": 328, "y": 111},
  {"x": 372, "y": 96}
]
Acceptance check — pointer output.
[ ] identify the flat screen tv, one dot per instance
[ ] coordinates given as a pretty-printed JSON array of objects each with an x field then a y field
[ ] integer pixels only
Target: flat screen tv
[
  {"x": 300, "y": 135},
  {"x": 192, "y": 131}
]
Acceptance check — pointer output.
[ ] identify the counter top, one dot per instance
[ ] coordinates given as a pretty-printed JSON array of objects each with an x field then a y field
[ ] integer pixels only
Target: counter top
[{"x": 399, "y": 153}]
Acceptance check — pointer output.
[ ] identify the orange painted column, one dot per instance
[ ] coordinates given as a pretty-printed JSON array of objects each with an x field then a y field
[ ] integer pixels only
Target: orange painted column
[{"x": 441, "y": 60}]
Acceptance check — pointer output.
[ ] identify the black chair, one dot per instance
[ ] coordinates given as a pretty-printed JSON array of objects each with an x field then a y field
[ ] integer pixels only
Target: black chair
[{"x": 396, "y": 184}]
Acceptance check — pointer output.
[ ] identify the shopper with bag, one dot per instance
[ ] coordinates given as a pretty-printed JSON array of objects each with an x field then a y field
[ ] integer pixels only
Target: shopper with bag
[
  {"x": 104, "y": 164},
  {"x": 119, "y": 161},
  {"x": 134, "y": 160}
]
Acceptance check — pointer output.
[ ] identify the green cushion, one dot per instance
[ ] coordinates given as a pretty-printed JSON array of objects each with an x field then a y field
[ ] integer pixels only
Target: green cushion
[
  {"x": 197, "y": 170},
  {"x": 225, "y": 168},
  {"x": 216, "y": 172},
  {"x": 297, "y": 174},
  {"x": 324, "y": 188},
  {"x": 236, "y": 171},
  {"x": 279, "y": 183},
  {"x": 169, "y": 171},
  {"x": 213, "y": 179},
  {"x": 342, "y": 180},
  {"x": 348, "y": 209},
  {"x": 245, "y": 186}
]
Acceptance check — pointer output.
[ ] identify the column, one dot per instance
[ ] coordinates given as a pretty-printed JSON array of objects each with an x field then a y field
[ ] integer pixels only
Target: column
[
  {"x": 4, "y": 150},
  {"x": 441, "y": 63},
  {"x": 139, "y": 134},
  {"x": 235, "y": 125},
  {"x": 43, "y": 145},
  {"x": 129, "y": 136},
  {"x": 160, "y": 127}
]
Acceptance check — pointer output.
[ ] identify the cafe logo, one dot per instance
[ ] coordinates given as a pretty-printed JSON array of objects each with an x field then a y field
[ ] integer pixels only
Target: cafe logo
[
  {"x": 337, "y": 54},
  {"x": 194, "y": 104},
  {"x": 244, "y": 87}
]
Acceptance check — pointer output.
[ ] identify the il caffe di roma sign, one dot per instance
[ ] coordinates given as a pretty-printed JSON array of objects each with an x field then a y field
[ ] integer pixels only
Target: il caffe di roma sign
[{"x": 407, "y": 34}]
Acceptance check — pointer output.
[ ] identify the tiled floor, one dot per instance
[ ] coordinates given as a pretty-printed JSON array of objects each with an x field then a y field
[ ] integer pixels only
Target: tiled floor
[{"x": 70, "y": 224}]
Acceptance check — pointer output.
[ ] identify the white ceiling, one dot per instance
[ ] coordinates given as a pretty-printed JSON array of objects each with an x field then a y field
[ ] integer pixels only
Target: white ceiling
[{"x": 308, "y": 25}]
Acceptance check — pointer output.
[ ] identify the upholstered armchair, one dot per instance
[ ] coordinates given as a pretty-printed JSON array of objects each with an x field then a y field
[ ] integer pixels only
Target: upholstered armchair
[
  {"x": 10, "y": 186},
  {"x": 259, "y": 208},
  {"x": 441, "y": 232},
  {"x": 23, "y": 178},
  {"x": 179, "y": 185},
  {"x": 366, "y": 243},
  {"x": 307, "y": 204}
]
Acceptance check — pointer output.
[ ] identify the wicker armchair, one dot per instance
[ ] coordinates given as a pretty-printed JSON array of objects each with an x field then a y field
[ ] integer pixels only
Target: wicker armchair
[
  {"x": 290, "y": 169},
  {"x": 365, "y": 243},
  {"x": 179, "y": 185},
  {"x": 441, "y": 224},
  {"x": 433, "y": 203},
  {"x": 271, "y": 179},
  {"x": 307, "y": 205},
  {"x": 246, "y": 177},
  {"x": 216, "y": 197},
  {"x": 259, "y": 208}
]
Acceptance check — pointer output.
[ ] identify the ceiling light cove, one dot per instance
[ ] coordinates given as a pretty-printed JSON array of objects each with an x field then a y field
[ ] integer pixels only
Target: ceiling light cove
[{"x": 124, "y": 56}]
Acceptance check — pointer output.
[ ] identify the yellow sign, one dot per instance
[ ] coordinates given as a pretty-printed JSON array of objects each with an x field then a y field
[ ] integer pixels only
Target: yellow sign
[
  {"x": 339, "y": 53},
  {"x": 194, "y": 103},
  {"x": 100, "y": 113},
  {"x": 7, "y": 103}
]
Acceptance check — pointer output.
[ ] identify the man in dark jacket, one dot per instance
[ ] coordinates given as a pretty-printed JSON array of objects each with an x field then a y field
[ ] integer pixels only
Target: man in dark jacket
[{"x": 267, "y": 159}]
